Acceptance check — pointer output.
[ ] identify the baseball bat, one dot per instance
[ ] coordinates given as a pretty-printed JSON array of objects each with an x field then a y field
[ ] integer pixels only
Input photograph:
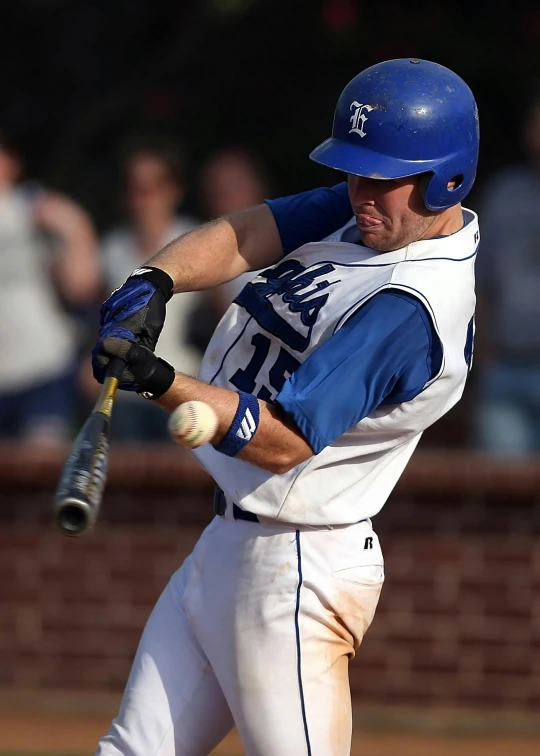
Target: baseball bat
[{"x": 80, "y": 488}]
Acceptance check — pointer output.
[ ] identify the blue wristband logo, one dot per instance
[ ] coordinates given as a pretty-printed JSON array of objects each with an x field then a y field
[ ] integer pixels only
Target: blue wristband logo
[
  {"x": 247, "y": 427},
  {"x": 243, "y": 427}
]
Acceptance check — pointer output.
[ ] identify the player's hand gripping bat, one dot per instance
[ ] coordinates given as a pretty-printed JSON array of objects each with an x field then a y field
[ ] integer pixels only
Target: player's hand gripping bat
[{"x": 80, "y": 488}]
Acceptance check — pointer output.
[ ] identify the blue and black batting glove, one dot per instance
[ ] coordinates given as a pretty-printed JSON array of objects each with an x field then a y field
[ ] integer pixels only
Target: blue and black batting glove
[
  {"x": 144, "y": 372},
  {"x": 138, "y": 307}
]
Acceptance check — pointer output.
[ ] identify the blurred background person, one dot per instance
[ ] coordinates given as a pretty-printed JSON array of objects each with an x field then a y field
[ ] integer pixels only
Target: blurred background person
[
  {"x": 508, "y": 273},
  {"x": 232, "y": 179},
  {"x": 154, "y": 189},
  {"x": 50, "y": 272}
]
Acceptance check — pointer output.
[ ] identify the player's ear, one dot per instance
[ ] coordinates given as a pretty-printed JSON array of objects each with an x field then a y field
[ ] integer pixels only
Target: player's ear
[{"x": 454, "y": 183}]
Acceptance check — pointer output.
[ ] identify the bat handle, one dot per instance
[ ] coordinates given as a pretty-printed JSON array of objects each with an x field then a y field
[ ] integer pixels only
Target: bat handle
[{"x": 115, "y": 367}]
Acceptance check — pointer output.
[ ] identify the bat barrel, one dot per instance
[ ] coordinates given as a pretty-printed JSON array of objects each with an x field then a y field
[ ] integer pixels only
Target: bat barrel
[
  {"x": 74, "y": 516},
  {"x": 80, "y": 488}
]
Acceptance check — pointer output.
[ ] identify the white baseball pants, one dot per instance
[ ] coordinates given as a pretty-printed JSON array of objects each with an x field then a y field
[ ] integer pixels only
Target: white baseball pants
[{"x": 256, "y": 630}]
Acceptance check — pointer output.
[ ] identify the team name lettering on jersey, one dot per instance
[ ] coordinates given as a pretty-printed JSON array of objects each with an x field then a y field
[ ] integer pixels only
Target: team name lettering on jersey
[{"x": 298, "y": 287}]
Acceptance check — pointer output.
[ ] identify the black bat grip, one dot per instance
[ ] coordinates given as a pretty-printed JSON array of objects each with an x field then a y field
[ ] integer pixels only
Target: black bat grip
[{"x": 115, "y": 368}]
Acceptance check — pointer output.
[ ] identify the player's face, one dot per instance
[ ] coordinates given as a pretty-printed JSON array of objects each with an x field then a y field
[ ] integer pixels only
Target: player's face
[{"x": 390, "y": 213}]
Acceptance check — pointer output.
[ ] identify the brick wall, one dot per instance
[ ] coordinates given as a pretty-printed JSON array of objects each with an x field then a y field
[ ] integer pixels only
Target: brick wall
[
  {"x": 71, "y": 611},
  {"x": 458, "y": 622}
]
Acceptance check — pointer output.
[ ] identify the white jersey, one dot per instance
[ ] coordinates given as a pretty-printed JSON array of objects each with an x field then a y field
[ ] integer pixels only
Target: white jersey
[{"x": 293, "y": 308}]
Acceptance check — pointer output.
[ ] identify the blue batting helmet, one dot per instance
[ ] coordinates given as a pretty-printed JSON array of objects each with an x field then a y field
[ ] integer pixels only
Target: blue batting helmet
[{"x": 404, "y": 117}]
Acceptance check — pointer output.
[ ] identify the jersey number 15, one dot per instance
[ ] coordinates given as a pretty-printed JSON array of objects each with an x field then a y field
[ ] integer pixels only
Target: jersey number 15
[{"x": 283, "y": 367}]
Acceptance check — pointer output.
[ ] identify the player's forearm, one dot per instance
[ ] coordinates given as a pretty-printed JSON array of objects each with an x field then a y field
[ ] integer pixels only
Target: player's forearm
[
  {"x": 202, "y": 258},
  {"x": 277, "y": 445},
  {"x": 221, "y": 250}
]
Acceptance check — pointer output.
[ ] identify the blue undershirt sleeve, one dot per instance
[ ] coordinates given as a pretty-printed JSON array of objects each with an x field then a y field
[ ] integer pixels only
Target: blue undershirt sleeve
[
  {"x": 310, "y": 216},
  {"x": 384, "y": 354}
]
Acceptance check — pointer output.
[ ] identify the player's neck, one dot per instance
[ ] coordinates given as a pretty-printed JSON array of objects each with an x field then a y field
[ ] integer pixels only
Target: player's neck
[{"x": 448, "y": 222}]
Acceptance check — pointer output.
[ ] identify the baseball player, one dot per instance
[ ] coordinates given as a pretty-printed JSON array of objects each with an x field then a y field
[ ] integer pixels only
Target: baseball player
[{"x": 324, "y": 372}]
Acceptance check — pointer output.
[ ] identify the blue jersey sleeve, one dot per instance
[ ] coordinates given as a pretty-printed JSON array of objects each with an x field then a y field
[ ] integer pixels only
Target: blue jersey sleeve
[
  {"x": 310, "y": 216},
  {"x": 385, "y": 354}
]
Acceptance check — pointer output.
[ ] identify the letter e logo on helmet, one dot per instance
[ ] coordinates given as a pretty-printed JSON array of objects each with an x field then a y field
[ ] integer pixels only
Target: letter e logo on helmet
[{"x": 358, "y": 119}]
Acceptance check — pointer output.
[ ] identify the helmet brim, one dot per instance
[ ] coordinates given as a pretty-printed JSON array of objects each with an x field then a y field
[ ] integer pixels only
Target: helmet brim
[{"x": 360, "y": 161}]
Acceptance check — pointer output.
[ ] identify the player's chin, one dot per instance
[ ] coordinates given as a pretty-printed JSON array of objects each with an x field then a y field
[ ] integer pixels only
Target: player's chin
[{"x": 377, "y": 240}]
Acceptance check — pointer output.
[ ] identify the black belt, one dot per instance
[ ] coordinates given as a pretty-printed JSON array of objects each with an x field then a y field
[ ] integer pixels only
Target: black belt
[{"x": 220, "y": 507}]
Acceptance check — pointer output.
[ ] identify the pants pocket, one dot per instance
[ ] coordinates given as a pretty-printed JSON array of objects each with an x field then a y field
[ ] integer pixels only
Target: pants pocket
[
  {"x": 363, "y": 574},
  {"x": 355, "y": 555}
]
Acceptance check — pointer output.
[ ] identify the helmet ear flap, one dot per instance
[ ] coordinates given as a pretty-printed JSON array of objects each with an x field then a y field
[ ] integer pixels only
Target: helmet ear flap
[
  {"x": 451, "y": 182},
  {"x": 434, "y": 194},
  {"x": 423, "y": 183}
]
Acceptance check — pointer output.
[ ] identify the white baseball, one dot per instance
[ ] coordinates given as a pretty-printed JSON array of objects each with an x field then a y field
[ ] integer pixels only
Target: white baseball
[{"x": 193, "y": 424}]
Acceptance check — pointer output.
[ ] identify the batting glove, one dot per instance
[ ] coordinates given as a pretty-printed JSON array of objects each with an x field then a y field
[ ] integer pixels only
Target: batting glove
[
  {"x": 144, "y": 373},
  {"x": 139, "y": 305}
]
